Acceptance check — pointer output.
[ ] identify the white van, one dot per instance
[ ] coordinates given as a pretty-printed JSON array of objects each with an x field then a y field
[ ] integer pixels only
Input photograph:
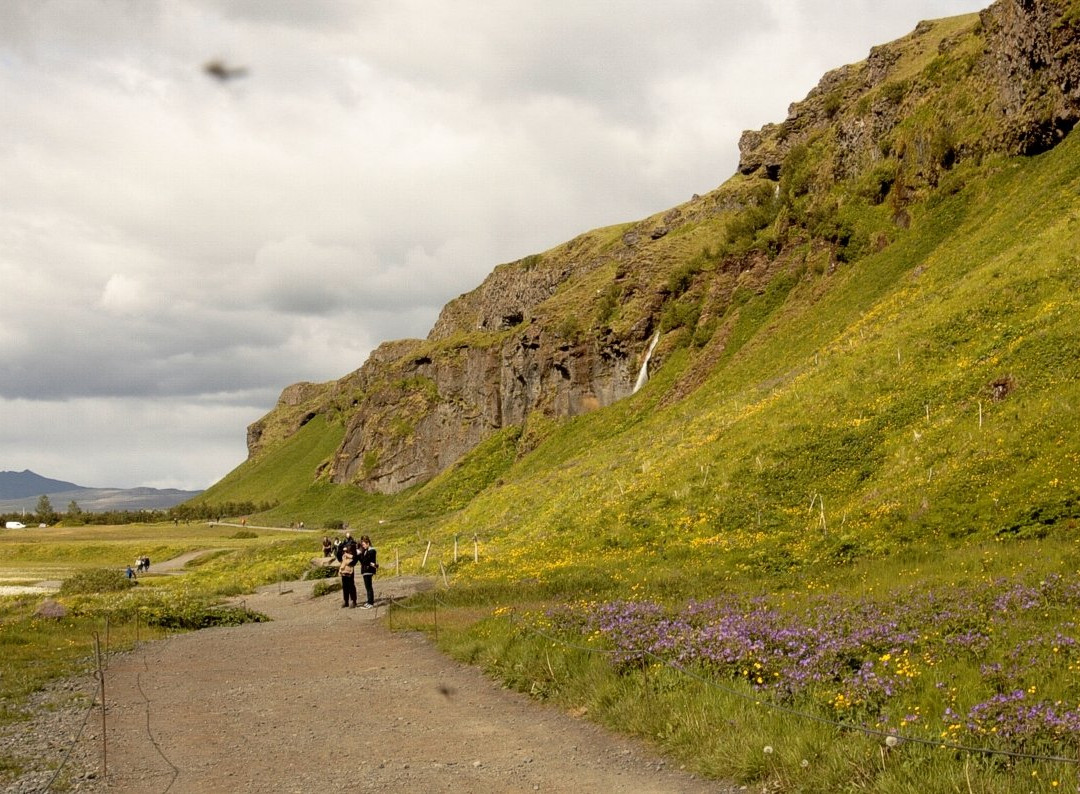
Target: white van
[{"x": 14, "y": 525}]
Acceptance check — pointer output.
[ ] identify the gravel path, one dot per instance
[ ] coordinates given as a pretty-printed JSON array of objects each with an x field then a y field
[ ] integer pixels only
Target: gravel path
[{"x": 324, "y": 698}]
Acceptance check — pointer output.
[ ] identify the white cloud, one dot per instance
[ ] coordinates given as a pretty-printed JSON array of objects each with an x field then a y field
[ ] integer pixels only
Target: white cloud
[
  {"x": 122, "y": 442},
  {"x": 124, "y": 296}
]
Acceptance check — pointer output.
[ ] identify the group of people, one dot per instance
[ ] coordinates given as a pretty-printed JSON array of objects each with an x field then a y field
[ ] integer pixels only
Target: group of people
[
  {"x": 351, "y": 556},
  {"x": 333, "y": 547},
  {"x": 142, "y": 564}
]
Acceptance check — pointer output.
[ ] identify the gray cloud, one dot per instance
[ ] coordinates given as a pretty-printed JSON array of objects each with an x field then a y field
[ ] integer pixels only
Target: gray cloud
[{"x": 175, "y": 250}]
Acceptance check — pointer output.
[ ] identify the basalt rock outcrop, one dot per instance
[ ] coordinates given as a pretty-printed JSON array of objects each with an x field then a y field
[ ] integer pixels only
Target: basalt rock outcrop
[
  {"x": 1017, "y": 59},
  {"x": 424, "y": 412},
  {"x": 491, "y": 360},
  {"x": 564, "y": 332}
]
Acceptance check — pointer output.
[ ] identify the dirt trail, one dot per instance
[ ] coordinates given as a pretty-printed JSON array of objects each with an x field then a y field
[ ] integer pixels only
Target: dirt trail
[
  {"x": 325, "y": 698},
  {"x": 176, "y": 564}
]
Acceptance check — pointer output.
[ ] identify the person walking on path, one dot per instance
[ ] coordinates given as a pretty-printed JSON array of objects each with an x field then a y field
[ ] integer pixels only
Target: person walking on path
[
  {"x": 368, "y": 567},
  {"x": 347, "y": 570}
]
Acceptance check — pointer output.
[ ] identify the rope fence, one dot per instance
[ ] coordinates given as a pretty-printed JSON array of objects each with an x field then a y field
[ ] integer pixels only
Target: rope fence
[
  {"x": 431, "y": 603},
  {"x": 75, "y": 739},
  {"x": 98, "y": 705},
  {"x": 756, "y": 701},
  {"x": 425, "y": 557}
]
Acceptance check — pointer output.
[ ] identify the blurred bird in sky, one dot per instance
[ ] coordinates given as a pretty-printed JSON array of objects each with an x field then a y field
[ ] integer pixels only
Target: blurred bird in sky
[{"x": 219, "y": 71}]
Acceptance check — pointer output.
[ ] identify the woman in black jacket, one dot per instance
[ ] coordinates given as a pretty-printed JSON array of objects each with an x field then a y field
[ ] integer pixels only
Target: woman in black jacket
[{"x": 368, "y": 567}]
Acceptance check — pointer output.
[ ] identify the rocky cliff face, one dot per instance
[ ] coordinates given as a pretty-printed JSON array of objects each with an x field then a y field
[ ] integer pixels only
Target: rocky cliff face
[
  {"x": 435, "y": 409},
  {"x": 537, "y": 335},
  {"x": 1021, "y": 53},
  {"x": 1031, "y": 55},
  {"x": 490, "y": 361}
]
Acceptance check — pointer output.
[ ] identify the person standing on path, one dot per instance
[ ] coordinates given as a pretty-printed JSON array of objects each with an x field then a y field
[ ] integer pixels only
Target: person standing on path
[
  {"x": 347, "y": 570},
  {"x": 368, "y": 567}
]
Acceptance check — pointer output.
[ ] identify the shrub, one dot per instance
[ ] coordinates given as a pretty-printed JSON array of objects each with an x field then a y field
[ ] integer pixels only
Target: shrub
[
  {"x": 894, "y": 92},
  {"x": 192, "y": 617},
  {"x": 100, "y": 580},
  {"x": 743, "y": 227},
  {"x": 608, "y": 303},
  {"x": 875, "y": 185},
  {"x": 682, "y": 278},
  {"x": 569, "y": 328},
  {"x": 324, "y": 587},
  {"x": 832, "y": 103},
  {"x": 679, "y": 314},
  {"x": 704, "y": 331},
  {"x": 320, "y": 572},
  {"x": 797, "y": 173},
  {"x": 944, "y": 147}
]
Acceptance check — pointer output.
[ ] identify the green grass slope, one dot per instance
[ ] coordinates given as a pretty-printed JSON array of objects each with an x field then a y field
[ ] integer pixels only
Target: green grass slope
[
  {"x": 284, "y": 475},
  {"x": 929, "y": 395}
]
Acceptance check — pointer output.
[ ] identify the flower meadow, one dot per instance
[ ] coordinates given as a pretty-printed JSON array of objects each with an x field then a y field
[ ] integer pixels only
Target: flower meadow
[{"x": 993, "y": 666}]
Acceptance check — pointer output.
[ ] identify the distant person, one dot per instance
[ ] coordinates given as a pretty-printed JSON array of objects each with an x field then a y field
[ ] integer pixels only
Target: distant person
[
  {"x": 368, "y": 567},
  {"x": 327, "y": 546},
  {"x": 130, "y": 573},
  {"x": 347, "y": 571}
]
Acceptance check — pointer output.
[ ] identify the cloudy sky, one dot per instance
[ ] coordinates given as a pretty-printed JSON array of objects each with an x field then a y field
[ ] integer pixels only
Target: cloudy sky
[{"x": 176, "y": 249}]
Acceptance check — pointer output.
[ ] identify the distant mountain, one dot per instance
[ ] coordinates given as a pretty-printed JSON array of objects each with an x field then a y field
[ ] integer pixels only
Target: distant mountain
[
  {"x": 21, "y": 484},
  {"x": 21, "y": 491}
]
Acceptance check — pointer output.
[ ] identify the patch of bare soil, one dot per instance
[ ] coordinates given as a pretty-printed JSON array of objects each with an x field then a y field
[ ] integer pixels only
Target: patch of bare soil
[{"x": 327, "y": 699}]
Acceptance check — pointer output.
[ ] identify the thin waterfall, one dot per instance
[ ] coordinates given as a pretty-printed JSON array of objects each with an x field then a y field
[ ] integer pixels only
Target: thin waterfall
[{"x": 643, "y": 374}]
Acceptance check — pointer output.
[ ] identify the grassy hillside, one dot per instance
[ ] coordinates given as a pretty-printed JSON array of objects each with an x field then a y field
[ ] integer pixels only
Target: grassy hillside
[
  {"x": 277, "y": 478},
  {"x": 925, "y": 395},
  {"x": 851, "y": 487},
  {"x": 929, "y": 395}
]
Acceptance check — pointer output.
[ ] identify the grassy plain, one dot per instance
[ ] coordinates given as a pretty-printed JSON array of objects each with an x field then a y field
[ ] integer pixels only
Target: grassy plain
[{"x": 104, "y": 613}]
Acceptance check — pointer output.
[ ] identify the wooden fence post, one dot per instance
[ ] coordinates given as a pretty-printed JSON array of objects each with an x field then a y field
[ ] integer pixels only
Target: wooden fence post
[
  {"x": 435, "y": 615},
  {"x": 104, "y": 739}
]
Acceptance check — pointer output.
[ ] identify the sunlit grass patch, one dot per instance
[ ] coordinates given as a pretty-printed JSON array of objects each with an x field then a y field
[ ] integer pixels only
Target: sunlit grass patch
[{"x": 879, "y": 674}]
